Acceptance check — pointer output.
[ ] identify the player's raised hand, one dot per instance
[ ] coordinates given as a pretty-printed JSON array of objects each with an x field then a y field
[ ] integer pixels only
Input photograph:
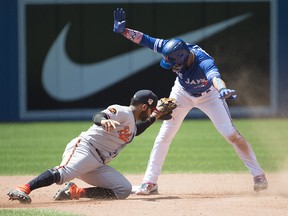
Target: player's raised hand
[
  {"x": 227, "y": 94},
  {"x": 119, "y": 20}
]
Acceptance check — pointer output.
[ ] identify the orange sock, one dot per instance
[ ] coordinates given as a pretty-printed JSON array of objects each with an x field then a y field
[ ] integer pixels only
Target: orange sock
[
  {"x": 76, "y": 192},
  {"x": 24, "y": 188},
  {"x": 82, "y": 192}
]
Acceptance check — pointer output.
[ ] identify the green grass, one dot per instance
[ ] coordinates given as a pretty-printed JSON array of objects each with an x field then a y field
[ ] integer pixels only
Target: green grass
[
  {"x": 32, "y": 212},
  {"x": 31, "y": 148}
]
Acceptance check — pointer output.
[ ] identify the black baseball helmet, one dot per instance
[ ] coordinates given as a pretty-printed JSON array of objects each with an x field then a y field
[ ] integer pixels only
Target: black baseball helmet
[{"x": 175, "y": 51}]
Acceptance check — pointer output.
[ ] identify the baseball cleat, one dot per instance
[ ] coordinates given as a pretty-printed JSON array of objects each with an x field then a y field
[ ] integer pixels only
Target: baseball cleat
[
  {"x": 135, "y": 188},
  {"x": 147, "y": 188},
  {"x": 69, "y": 192},
  {"x": 17, "y": 194},
  {"x": 260, "y": 183}
]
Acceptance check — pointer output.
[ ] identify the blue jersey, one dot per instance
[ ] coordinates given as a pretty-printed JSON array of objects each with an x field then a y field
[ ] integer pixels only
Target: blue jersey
[{"x": 198, "y": 77}]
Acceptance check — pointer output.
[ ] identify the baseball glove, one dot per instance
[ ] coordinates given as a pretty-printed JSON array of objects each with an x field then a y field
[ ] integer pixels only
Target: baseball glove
[
  {"x": 167, "y": 116},
  {"x": 165, "y": 106}
]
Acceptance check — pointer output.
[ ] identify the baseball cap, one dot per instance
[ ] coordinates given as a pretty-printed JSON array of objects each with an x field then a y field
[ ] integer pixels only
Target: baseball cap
[
  {"x": 175, "y": 51},
  {"x": 147, "y": 97}
]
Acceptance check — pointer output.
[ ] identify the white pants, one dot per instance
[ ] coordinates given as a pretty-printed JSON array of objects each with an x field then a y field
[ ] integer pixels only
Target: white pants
[{"x": 218, "y": 112}]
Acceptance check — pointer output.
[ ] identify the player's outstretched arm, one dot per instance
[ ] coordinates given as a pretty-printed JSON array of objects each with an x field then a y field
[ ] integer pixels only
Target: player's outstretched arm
[
  {"x": 133, "y": 35},
  {"x": 120, "y": 27},
  {"x": 225, "y": 93},
  {"x": 218, "y": 83}
]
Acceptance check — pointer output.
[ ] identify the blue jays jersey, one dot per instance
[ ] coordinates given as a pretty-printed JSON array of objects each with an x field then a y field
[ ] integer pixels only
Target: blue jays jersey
[{"x": 198, "y": 76}]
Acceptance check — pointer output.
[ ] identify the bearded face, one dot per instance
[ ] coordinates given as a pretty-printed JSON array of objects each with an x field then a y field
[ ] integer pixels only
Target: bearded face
[
  {"x": 177, "y": 68},
  {"x": 145, "y": 114}
]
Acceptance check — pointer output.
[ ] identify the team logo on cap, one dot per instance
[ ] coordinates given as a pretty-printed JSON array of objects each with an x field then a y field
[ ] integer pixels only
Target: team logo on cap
[{"x": 150, "y": 101}]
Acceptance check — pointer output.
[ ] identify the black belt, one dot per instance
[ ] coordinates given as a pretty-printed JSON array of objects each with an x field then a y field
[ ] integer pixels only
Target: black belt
[
  {"x": 100, "y": 155},
  {"x": 200, "y": 93}
]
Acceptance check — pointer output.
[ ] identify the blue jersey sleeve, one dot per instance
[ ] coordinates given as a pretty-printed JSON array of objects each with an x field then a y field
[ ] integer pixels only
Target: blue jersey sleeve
[
  {"x": 209, "y": 68},
  {"x": 156, "y": 44}
]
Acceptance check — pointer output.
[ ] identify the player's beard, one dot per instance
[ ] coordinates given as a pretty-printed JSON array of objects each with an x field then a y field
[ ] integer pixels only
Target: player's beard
[
  {"x": 177, "y": 68},
  {"x": 144, "y": 115}
]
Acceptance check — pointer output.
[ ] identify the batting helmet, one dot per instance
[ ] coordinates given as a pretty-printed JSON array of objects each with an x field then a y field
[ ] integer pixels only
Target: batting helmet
[{"x": 175, "y": 51}]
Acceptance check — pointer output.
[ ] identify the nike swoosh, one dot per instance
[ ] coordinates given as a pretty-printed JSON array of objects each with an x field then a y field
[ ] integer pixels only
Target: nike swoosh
[{"x": 65, "y": 80}]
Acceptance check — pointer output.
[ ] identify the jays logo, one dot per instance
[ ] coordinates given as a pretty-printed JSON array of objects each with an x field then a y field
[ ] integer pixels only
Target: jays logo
[{"x": 70, "y": 63}]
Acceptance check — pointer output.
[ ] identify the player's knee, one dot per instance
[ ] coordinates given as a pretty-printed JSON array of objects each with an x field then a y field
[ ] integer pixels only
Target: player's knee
[
  {"x": 237, "y": 139},
  {"x": 124, "y": 191},
  {"x": 63, "y": 175},
  {"x": 55, "y": 174}
]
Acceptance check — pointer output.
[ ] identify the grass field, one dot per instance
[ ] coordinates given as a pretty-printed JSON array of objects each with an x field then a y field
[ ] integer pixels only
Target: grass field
[
  {"x": 30, "y": 148},
  {"x": 33, "y": 212}
]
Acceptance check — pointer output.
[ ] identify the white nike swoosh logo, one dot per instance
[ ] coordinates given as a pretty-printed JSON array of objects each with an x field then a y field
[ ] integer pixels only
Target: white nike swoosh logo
[{"x": 65, "y": 80}]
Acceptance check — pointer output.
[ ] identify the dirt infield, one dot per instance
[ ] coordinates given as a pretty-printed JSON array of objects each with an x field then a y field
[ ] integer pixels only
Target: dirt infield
[{"x": 179, "y": 194}]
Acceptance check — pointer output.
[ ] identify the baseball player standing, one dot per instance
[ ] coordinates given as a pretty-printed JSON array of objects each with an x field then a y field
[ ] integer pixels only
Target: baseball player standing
[
  {"x": 86, "y": 156},
  {"x": 198, "y": 84}
]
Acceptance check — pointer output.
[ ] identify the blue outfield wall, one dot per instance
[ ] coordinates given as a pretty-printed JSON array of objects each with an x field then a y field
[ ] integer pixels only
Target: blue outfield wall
[
  {"x": 282, "y": 58},
  {"x": 9, "y": 106},
  {"x": 9, "y": 62}
]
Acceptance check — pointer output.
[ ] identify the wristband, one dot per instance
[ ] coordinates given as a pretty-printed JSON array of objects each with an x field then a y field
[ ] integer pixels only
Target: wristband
[
  {"x": 222, "y": 89},
  {"x": 152, "y": 119}
]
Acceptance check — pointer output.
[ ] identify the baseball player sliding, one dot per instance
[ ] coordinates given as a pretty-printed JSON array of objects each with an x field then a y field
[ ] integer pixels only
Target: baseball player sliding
[
  {"x": 86, "y": 157},
  {"x": 198, "y": 84}
]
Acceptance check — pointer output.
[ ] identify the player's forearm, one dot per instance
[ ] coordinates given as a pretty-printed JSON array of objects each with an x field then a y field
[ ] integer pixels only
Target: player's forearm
[
  {"x": 142, "y": 39},
  {"x": 218, "y": 83},
  {"x": 143, "y": 125},
  {"x": 98, "y": 117},
  {"x": 133, "y": 35}
]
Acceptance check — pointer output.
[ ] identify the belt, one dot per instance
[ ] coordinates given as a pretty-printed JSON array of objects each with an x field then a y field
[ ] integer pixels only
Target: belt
[
  {"x": 200, "y": 93},
  {"x": 100, "y": 155}
]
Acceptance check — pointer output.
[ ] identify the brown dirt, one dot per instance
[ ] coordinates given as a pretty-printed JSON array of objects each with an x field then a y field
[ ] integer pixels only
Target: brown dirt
[{"x": 179, "y": 194}]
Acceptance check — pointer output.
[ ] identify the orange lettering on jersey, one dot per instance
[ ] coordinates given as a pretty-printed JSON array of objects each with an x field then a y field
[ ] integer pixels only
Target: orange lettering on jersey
[{"x": 124, "y": 134}]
